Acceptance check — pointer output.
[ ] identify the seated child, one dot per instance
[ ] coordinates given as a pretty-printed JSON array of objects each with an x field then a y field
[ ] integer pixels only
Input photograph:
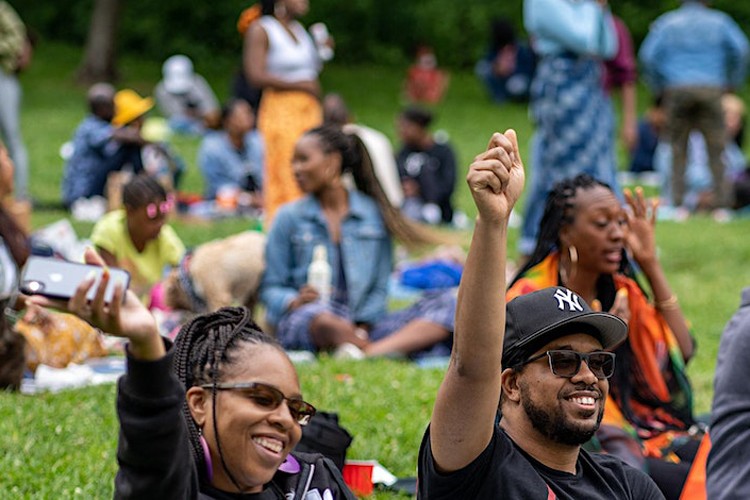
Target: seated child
[
  {"x": 427, "y": 168},
  {"x": 106, "y": 141},
  {"x": 137, "y": 238}
]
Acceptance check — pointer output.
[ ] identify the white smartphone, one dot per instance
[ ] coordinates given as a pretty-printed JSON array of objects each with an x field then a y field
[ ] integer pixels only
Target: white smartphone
[{"x": 58, "y": 279}]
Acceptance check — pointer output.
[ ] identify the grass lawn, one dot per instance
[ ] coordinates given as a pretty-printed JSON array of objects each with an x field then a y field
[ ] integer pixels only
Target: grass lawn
[{"x": 63, "y": 445}]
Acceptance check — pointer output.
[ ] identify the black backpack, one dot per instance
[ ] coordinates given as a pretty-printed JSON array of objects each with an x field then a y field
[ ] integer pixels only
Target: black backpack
[{"x": 324, "y": 435}]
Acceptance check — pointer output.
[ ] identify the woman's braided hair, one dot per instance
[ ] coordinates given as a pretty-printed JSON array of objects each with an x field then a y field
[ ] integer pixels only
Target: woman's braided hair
[
  {"x": 558, "y": 212},
  {"x": 203, "y": 349},
  {"x": 356, "y": 160}
]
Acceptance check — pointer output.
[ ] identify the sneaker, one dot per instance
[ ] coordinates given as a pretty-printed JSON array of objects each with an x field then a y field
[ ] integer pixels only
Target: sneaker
[
  {"x": 348, "y": 351},
  {"x": 681, "y": 214},
  {"x": 721, "y": 215}
]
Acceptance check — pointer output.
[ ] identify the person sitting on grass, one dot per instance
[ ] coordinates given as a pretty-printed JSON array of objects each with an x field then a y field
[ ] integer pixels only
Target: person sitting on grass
[
  {"x": 427, "y": 167},
  {"x": 137, "y": 238},
  {"x": 354, "y": 226},
  {"x": 546, "y": 370},
  {"x": 585, "y": 238},
  {"x": 232, "y": 158},
  {"x": 216, "y": 415},
  {"x": 102, "y": 144}
]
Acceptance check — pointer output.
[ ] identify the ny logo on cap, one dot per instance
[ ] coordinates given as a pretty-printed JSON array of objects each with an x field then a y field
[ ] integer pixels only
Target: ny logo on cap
[{"x": 567, "y": 297}]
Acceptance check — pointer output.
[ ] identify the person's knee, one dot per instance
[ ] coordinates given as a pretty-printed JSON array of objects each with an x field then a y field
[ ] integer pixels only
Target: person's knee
[{"x": 327, "y": 330}]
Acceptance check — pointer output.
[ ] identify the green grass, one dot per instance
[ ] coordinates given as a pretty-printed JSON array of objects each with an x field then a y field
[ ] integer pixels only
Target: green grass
[{"x": 63, "y": 445}]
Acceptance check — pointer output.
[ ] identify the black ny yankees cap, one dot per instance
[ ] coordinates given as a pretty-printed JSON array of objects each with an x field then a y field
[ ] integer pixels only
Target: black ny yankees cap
[{"x": 534, "y": 319}]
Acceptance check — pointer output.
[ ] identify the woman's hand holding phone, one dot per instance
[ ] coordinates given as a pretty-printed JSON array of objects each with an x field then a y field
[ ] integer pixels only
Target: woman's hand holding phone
[{"x": 127, "y": 318}]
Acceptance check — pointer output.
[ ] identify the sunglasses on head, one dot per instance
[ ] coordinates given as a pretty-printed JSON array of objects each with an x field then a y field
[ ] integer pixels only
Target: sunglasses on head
[
  {"x": 269, "y": 398},
  {"x": 566, "y": 363},
  {"x": 153, "y": 210}
]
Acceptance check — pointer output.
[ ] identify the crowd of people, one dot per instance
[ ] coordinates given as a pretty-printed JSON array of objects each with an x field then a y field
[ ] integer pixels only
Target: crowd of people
[{"x": 566, "y": 380}]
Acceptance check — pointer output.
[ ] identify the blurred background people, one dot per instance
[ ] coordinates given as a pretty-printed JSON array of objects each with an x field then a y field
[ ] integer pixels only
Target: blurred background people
[
  {"x": 15, "y": 56},
  {"x": 693, "y": 54},
  {"x": 699, "y": 194},
  {"x": 508, "y": 67},
  {"x": 427, "y": 167},
  {"x": 281, "y": 58},
  {"x": 185, "y": 98},
  {"x": 425, "y": 82},
  {"x": 335, "y": 112},
  {"x": 232, "y": 158},
  {"x": 107, "y": 140},
  {"x": 570, "y": 110}
]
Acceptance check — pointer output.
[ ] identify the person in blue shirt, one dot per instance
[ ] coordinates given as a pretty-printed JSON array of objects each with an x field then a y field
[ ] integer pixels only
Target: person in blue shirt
[
  {"x": 570, "y": 110},
  {"x": 694, "y": 54},
  {"x": 233, "y": 156},
  {"x": 100, "y": 147},
  {"x": 355, "y": 225}
]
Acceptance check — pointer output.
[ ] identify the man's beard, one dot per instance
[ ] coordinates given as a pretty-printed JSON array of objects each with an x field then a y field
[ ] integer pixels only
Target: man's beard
[{"x": 556, "y": 425}]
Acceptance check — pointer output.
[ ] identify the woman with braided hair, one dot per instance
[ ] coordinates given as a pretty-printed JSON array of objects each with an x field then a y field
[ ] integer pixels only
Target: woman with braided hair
[
  {"x": 585, "y": 239},
  {"x": 355, "y": 225},
  {"x": 215, "y": 416}
]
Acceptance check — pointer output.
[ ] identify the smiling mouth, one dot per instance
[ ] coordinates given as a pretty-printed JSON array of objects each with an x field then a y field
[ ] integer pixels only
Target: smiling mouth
[
  {"x": 270, "y": 444},
  {"x": 584, "y": 401}
]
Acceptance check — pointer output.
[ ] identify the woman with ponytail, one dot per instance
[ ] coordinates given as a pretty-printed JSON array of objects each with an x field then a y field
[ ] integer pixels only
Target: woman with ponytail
[
  {"x": 354, "y": 222},
  {"x": 216, "y": 415}
]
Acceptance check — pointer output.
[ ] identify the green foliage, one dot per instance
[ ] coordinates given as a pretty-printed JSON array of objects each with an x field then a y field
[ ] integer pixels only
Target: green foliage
[{"x": 366, "y": 31}]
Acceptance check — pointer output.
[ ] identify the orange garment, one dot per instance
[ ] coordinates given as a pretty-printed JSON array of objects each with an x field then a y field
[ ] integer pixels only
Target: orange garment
[
  {"x": 695, "y": 484},
  {"x": 425, "y": 84},
  {"x": 282, "y": 118},
  {"x": 57, "y": 339}
]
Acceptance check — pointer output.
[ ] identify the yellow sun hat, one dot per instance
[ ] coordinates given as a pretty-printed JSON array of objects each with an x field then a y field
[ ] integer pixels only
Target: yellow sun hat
[{"x": 129, "y": 106}]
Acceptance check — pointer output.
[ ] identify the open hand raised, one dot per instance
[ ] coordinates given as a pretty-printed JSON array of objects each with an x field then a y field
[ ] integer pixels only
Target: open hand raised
[
  {"x": 641, "y": 221},
  {"x": 496, "y": 177}
]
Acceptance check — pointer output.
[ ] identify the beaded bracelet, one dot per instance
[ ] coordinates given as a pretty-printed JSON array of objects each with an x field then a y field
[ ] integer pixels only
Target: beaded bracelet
[{"x": 669, "y": 304}]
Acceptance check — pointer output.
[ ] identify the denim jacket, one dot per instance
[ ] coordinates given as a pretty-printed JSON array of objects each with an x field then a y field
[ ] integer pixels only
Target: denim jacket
[
  {"x": 694, "y": 46},
  {"x": 366, "y": 252}
]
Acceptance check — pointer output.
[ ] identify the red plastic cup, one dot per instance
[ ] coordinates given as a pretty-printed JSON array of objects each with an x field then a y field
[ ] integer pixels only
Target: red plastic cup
[{"x": 358, "y": 476}]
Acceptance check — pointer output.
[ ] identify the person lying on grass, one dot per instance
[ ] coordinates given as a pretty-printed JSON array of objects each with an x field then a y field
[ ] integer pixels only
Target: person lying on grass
[
  {"x": 217, "y": 414},
  {"x": 546, "y": 371}
]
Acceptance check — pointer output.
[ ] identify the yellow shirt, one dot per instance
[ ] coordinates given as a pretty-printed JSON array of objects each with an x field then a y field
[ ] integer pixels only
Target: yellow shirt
[{"x": 146, "y": 267}]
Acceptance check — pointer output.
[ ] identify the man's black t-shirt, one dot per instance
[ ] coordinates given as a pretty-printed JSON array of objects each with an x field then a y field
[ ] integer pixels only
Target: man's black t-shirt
[
  {"x": 434, "y": 170},
  {"x": 503, "y": 470}
]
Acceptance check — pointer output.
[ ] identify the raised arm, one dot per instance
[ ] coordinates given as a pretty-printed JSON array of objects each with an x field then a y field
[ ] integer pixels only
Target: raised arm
[
  {"x": 642, "y": 245},
  {"x": 463, "y": 418}
]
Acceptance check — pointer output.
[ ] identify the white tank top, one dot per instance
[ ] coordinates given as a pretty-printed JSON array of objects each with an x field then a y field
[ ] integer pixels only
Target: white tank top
[{"x": 289, "y": 59}]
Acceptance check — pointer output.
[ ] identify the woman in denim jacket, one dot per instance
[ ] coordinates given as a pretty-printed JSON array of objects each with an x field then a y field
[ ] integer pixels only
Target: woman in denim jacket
[{"x": 355, "y": 226}]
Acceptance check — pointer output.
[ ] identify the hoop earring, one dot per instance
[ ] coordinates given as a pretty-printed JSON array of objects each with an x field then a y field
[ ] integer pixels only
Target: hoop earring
[
  {"x": 206, "y": 457},
  {"x": 573, "y": 256}
]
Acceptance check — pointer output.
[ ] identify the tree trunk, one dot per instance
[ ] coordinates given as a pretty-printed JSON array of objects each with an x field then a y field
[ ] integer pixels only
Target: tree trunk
[{"x": 99, "y": 58}]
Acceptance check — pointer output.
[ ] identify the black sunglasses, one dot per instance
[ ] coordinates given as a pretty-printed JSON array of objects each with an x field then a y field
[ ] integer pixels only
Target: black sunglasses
[
  {"x": 566, "y": 363},
  {"x": 269, "y": 397}
]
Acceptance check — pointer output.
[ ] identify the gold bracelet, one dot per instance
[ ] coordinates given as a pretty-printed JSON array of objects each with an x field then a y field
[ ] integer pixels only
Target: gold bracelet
[{"x": 668, "y": 304}]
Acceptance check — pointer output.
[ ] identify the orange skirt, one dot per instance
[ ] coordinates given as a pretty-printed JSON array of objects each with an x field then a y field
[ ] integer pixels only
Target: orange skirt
[{"x": 282, "y": 118}]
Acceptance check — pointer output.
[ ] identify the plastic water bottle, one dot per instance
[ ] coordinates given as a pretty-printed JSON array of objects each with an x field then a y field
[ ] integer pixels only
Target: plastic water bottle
[{"x": 319, "y": 273}]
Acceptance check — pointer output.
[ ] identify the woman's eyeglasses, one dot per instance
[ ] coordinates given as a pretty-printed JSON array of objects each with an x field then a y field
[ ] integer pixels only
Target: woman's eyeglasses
[
  {"x": 153, "y": 210},
  {"x": 269, "y": 398},
  {"x": 566, "y": 364}
]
